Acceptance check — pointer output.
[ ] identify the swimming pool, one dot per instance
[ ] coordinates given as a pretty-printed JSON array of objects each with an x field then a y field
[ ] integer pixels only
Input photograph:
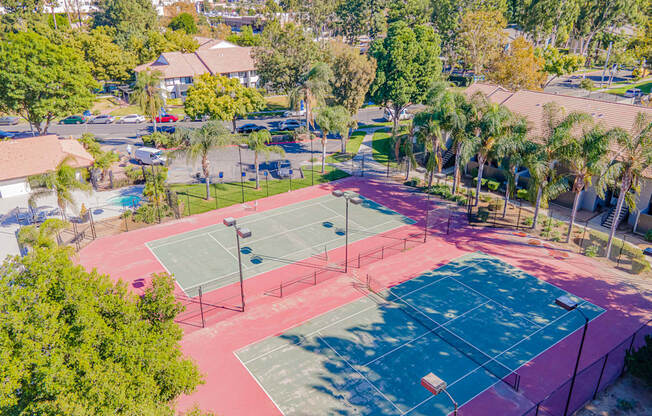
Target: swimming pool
[{"x": 125, "y": 200}]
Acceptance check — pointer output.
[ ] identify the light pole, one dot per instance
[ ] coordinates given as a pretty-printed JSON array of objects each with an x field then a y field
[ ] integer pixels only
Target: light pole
[
  {"x": 435, "y": 385},
  {"x": 267, "y": 181},
  {"x": 356, "y": 200},
  {"x": 569, "y": 304},
  {"x": 243, "y": 233},
  {"x": 242, "y": 174},
  {"x": 312, "y": 162},
  {"x": 425, "y": 226}
]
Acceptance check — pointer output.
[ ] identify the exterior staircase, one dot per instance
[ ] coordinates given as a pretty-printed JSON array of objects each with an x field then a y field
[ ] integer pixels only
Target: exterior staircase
[
  {"x": 608, "y": 217},
  {"x": 450, "y": 152}
]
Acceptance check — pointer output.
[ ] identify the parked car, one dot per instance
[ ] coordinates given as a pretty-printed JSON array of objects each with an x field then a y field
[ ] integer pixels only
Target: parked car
[
  {"x": 149, "y": 156},
  {"x": 166, "y": 129},
  {"x": 74, "y": 120},
  {"x": 250, "y": 127},
  {"x": 102, "y": 119},
  {"x": 132, "y": 119},
  {"x": 283, "y": 168},
  {"x": 291, "y": 124},
  {"x": 8, "y": 121},
  {"x": 6, "y": 135},
  {"x": 633, "y": 92},
  {"x": 167, "y": 118},
  {"x": 388, "y": 115},
  {"x": 298, "y": 113}
]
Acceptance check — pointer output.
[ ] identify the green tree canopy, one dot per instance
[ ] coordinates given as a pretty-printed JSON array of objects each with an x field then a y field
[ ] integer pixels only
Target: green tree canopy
[
  {"x": 22, "y": 14},
  {"x": 130, "y": 18},
  {"x": 221, "y": 98},
  {"x": 353, "y": 74},
  {"x": 481, "y": 38},
  {"x": 361, "y": 17},
  {"x": 74, "y": 342},
  {"x": 286, "y": 53},
  {"x": 407, "y": 65},
  {"x": 41, "y": 81},
  {"x": 107, "y": 60},
  {"x": 184, "y": 21},
  {"x": 557, "y": 64},
  {"x": 518, "y": 67},
  {"x": 245, "y": 38}
]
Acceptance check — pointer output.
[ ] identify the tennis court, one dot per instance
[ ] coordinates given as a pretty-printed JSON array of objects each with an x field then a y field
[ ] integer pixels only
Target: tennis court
[
  {"x": 473, "y": 322},
  {"x": 207, "y": 257}
]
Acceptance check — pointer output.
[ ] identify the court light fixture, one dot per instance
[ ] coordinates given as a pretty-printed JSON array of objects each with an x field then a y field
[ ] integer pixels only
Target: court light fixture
[
  {"x": 240, "y": 232},
  {"x": 355, "y": 200},
  {"x": 244, "y": 232},
  {"x": 229, "y": 221},
  {"x": 436, "y": 385},
  {"x": 337, "y": 193},
  {"x": 566, "y": 302}
]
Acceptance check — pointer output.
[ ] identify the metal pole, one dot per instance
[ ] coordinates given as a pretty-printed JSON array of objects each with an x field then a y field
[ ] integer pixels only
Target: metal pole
[
  {"x": 188, "y": 198},
  {"x": 346, "y": 240},
  {"x": 448, "y": 226},
  {"x": 237, "y": 238},
  {"x": 577, "y": 364},
  {"x": 597, "y": 387},
  {"x": 201, "y": 309},
  {"x": 290, "y": 182},
  {"x": 454, "y": 402},
  {"x": 312, "y": 163},
  {"x": 158, "y": 210},
  {"x": 362, "y": 174},
  {"x": 217, "y": 204},
  {"x": 622, "y": 247},
  {"x": 583, "y": 234},
  {"x": 90, "y": 216},
  {"x": 425, "y": 225},
  {"x": 241, "y": 174},
  {"x": 267, "y": 183}
]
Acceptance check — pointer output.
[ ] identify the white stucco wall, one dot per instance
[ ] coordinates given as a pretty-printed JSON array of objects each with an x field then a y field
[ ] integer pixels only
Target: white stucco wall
[{"x": 14, "y": 187}]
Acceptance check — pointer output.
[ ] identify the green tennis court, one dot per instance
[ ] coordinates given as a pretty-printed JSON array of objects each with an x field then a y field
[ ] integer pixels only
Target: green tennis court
[
  {"x": 472, "y": 322},
  {"x": 207, "y": 256}
]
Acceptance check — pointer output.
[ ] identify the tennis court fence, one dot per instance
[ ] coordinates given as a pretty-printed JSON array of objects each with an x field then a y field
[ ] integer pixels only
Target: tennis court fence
[{"x": 591, "y": 380}]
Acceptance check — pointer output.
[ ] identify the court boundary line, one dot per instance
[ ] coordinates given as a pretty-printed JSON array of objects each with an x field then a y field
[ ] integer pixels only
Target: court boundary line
[
  {"x": 350, "y": 220},
  {"x": 359, "y": 373},
  {"x": 259, "y": 383},
  {"x": 166, "y": 270},
  {"x": 227, "y": 250}
]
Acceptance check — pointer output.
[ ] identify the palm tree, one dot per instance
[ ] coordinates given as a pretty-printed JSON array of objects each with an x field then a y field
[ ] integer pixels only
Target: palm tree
[
  {"x": 511, "y": 152},
  {"x": 43, "y": 236},
  {"x": 258, "y": 142},
  {"x": 631, "y": 161},
  {"x": 199, "y": 142},
  {"x": 585, "y": 157},
  {"x": 492, "y": 127},
  {"x": 429, "y": 132},
  {"x": 148, "y": 94},
  {"x": 61, "y": 183},
  {"x": 312, "y": 89},
  {"x": 335, "y": 119}
]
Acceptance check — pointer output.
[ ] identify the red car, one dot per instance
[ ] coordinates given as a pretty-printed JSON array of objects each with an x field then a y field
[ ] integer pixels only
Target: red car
[{"x": 167, "y": 118}]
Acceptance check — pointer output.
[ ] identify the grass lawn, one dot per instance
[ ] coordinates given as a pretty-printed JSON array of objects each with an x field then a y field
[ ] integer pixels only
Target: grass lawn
[
  {"x": 382, "y": 147},
  {"x": 352, "y": 147},
  {"x": 645, "y": 87},
  {"x": 278, "y": 102},
  {"x": 130, "y": 109},
  {"x": 231, "y": 194}
]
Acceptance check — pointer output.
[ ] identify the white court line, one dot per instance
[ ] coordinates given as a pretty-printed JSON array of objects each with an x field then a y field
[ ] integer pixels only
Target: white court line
[
  {"x": 361, "y": 375},
  {"x": 166, "y": 269},
  {"x": 340, "y": 215},
  {"x": 227, "y": 250},
  {"x": 259, "y": 383},
  {"x": 495, "y": 301},
  {"x": 428, "y": 331}
]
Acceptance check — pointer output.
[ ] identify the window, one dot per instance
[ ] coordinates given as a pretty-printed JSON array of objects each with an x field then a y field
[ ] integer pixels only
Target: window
[
  {"x": 169, "y": 81},
  {"x": 186, "y": 80},
  {"x": 242, "y": 74},
  {"x": 253, "y": 73}
]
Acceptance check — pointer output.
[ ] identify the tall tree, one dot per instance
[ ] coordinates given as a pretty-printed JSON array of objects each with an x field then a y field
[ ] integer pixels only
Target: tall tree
[
  {"x": 334, "y": 119},
  {"x": 584, "y": 155},
  {"x": 198, "y": 143},
  {"x": 511, "y": 153},
  {"x": 557, "y": 64},
  {"x": 75, "y": 342},
  {"x": 41, "y": 81},
  {"x": 148, "y": 94},
  {"x": 286, "y": 53},
  {"x": 412, "y": 12},
  {"x": 130, "y": 18},
  {"x": 184, "y": 21},
  {"x": 222, "y": 98},
  {"x": 60, "y": 183},
  {"x": 107, "y": 60},
  {"x": 22, "y": 14},
  {"x": 313, "y": 88},
  {"x": 357, "y": 18},
  {"x": 631, "y": 161},
  {"x": 407, "y": 65},
  {"x": 43, "y": 236},
  {"x": 481, "y": 38},
  {"x": 518, "y": 67},
  {"x": 259, "y": 143},
  {"x": 353, "y": 74}
]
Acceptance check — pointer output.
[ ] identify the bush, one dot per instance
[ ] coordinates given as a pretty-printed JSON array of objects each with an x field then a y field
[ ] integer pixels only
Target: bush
[
  {"x": 648, "y": 235},
  {"x": 134, "y": 173},
  {"x": 639, "y": 362},
  {"x": 528, "y": 221},
  {"x": 555, "y": 236},
  {"x": 591, "y": 251},
  {"x": 522, "y": 194},
  {"x": 492, "y": 185},
  {"x": 640, "y": 265},
  {"x": 161, "y": 140},
  {"x": 412, "y": 183},
  {"x": 148, "y": 213},
  {"x": 484, "y": 181},
  {"x": 485, "y": 198}
]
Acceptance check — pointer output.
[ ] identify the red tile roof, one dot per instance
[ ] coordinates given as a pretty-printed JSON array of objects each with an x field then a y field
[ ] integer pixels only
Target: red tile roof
[{"x": 20, "y": 158}]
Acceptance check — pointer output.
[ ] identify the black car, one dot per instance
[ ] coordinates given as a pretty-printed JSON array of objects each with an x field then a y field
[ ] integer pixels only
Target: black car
[
  {"x": 250, "y": 127},
  {"x": 166, "y": 129}
]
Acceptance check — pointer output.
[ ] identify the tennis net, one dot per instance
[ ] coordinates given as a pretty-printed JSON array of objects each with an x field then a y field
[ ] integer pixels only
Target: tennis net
[{"x": 499, "y": 370}]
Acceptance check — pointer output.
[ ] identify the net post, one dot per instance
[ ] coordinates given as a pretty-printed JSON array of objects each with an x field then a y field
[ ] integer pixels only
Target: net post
[
  {"x": 90, "y": 216},
  {"x": 537, "y": 412},
  {"x": 314, "y": 277},
  {"x": 281, "y": 289},
  {"x": 597, "y": 387},
  {"x": 358, "y": 260},
  {"x": 201, "y": 308},
  {"x": 382, "y": 252},
  {"x": 518, "y": 219},
  {"x": 404, "y": 244},
  {"x": 631, "y": 344}
]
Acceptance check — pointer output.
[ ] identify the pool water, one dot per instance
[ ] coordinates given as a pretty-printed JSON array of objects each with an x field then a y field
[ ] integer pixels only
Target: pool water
[{"x": 125, "y": 200}]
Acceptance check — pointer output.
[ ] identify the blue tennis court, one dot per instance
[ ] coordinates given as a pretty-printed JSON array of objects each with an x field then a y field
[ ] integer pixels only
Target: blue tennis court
[{"x": 473, "y": 322}]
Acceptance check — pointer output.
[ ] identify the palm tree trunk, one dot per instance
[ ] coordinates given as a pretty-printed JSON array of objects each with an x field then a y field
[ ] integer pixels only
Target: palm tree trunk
[
  {"x": 432, "y": 173},
  {"x": 54, "y": 17},
  {"x": 154, "y": 121},
  {"x": 323, "y": 152},
  {"x": 506, "y": 200},
  {"x": 256, "y": 165},
  {"x": 208, "y": 187},
  {"x": 206, "y": 171},
  {"x": 479, "y": 184},
  {"x": 537, "y": 205},
  {"x": 234, "y": 128},
  {"x": 576, "y": 200},
  {"x": 407, "y": 169},
  {"x": 457, "y": 167},
  {"x": 625, "y": 185}
]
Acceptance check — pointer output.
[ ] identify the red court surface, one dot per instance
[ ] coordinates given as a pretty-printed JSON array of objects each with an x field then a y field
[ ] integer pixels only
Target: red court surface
[{"x": 229, "y": 389}]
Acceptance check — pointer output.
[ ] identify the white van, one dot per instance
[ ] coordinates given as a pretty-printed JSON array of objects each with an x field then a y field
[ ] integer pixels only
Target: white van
[
  {"x": 389, "y": 113},
  {"x": 150, "y": 156}
]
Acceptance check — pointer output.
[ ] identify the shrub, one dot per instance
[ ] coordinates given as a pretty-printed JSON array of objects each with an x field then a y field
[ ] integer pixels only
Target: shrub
[
  {"x": 148, "y": 213},
  {"x": 648, "y": 235},
  {"x": 485, "y": 198},
  {"x": 555, "y": 236},
  {"x": 492, "y": 185},
  {"x": 528, "y": 221},
  {"x": 639, "y": 362},
  {"x": 591, "y": 251},
  {"x": 483, "y": 215},
  {"x": 475, "y": 181},
  {"x": 134, "y": 173},
  {"x": 411, "y": 182},
  {"x": 162, "y": 140},
  {"x": 522, "y": 194},
  {"x": 640, "y": 265}
]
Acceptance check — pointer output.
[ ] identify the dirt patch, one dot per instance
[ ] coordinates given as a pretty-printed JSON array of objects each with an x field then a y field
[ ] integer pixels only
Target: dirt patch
[{"x": 627, "y": 396}]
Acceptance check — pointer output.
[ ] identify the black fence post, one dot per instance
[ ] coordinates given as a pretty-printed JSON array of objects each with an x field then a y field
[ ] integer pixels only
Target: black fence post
[
  {"x": 597, "y": 387},
  {"x": 518, "y": 218},
  {"x": 90, "y": 217},
  {"x": 201, "y": 308},
  {"x": 362, "y": 173},
  {"x": 622, "y": 247},
  {"x": 583, "y": 235},
  {"x": 188, "y": 199},
  {"x": 217, "y": 204}
]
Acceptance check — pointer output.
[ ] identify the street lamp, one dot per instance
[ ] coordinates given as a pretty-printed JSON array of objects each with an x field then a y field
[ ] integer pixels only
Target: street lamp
[
  {"x": 242, "y": 174},
  {"x": 356, "y": 200},
  {"x": 435, "y": 385},
  {"x": 426, "y": 215},
  {"x": 240, "y": 232},
  {"x": 569, "y": 304}
]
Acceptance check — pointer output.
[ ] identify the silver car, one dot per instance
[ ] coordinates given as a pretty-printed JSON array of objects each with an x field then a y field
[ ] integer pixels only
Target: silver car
[
  {"x": 8, "y": 121},
  {"x": 132, "y": 119},
  {"x": 102, "y": 119}
]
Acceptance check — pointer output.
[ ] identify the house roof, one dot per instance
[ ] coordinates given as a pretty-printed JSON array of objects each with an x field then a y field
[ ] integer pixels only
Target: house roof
[
  {"x": 20, "y": 158},
  {"x": 214, "y": 57}
]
